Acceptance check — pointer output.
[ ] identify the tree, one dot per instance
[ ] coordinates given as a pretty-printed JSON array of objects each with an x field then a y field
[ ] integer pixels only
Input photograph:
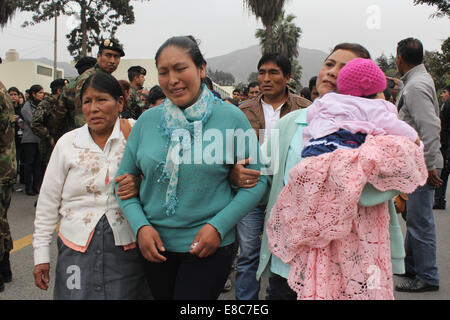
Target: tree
[
  {"x": 98, "y": 19},
  {"x": 7, "y": 10},
  {"x": 438, "y": 64},
  {"x": 220, "y": 77},
  {"x": 267, "y": 11},
  {"x": 283, "y": 38},
  {"x": 252, "y": 77},
  {"x": 443, "y": 7},
  {"x": 388, "y": 65}
]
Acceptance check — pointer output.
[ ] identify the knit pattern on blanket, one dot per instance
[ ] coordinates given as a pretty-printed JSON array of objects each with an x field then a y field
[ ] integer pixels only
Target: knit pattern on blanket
[{"x": 337, "y": 249}]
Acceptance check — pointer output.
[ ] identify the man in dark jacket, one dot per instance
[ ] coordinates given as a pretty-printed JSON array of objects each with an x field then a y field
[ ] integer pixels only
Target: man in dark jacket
[{"x": 439, "y": 195}]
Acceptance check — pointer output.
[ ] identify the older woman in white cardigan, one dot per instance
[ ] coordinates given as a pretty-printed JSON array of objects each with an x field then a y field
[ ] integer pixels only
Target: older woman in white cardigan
[{"x": 97, "y": 254}]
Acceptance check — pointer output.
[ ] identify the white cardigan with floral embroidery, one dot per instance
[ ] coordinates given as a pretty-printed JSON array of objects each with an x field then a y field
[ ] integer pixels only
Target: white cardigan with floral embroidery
[{"x": 78, "y": 189}]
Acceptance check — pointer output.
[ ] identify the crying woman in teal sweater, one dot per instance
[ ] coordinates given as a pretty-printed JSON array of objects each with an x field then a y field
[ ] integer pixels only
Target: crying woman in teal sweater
[{"x": 184, "y": 150}]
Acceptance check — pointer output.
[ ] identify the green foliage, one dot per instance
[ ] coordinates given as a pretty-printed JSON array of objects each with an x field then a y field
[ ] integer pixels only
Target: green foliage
[
  {"x": 388, "y": 65},
  {"x": 438, "y": 64},
  {"x": 283, "y": 38},
  {"x": 443, "y": 7},
  {"x": 252, "y": 77},
  {"x": 99, "y": 19},
  {"x": 267, "y": 11},
  {"x": 220, "y": 77},
  {"x": 7, "y": 10}
]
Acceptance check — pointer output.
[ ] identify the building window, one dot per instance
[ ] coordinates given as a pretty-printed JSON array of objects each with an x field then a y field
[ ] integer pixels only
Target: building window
[{"x": 44, "y": 71}]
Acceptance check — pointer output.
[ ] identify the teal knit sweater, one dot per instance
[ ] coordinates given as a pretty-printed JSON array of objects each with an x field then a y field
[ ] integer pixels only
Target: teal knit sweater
[{"x": 204, "y": 192}]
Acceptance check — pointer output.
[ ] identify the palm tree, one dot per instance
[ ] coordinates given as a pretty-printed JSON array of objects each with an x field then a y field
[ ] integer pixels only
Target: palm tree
[
  {"x": 282, "y": 38},
  {"x": 267, "y": 11},
  {"x": 7, "y": 10}
]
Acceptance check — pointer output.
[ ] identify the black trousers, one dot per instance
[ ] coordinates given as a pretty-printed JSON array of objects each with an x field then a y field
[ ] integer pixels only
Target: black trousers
[
  {"x": 279, "y": 289},
  {"x": 186, "y": 277},
  {"x": 32, "y": 166}
]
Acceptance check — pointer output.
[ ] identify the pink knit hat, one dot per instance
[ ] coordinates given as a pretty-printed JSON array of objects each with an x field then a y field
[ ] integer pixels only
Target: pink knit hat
[{"x": 361, "y": 77}]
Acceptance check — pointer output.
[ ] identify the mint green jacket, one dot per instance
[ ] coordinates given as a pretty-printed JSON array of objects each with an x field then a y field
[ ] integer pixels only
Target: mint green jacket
[{"x": 370, "y": 196}]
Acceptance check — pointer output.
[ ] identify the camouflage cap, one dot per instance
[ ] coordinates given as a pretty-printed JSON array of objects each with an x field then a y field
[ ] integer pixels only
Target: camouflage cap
[
  {"x": 138, "y": 69},
  {"x": 112, "y": 45}
]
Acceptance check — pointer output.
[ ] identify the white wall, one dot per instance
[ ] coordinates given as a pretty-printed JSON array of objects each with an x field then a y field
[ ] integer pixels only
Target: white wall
[{"x": 23, "y": 74}]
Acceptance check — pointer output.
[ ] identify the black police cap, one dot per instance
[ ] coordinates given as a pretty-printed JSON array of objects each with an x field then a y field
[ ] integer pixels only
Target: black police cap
[
  {"x": 112, "y": 45},
  {"x": 138, "y": 69}
]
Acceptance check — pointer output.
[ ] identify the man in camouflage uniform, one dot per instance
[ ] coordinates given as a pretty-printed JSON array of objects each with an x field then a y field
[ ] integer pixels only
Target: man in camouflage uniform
[
  {"x": 8, "y": 171},
  {"x": 40, "y": 122},
  {"x": 8, "y": 165},
  {"x": 68, "y": 114},
  {"x": 135, "y": 106}
]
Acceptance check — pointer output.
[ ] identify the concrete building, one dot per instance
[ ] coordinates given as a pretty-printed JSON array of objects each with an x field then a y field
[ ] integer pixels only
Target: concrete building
[{"x": 24, "y": 74}]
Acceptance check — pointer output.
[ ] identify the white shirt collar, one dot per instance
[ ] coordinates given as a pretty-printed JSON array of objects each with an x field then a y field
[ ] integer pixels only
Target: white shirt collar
[{"x": 83, "y": 139}]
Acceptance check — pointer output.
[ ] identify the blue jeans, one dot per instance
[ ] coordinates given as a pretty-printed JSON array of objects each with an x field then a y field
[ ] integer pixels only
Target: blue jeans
[
  {"x": 420, "y": 241},
  {"x": 249, "y": 231}
]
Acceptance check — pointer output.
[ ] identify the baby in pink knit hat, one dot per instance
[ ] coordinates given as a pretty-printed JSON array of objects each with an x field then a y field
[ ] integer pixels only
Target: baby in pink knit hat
[{"x": 342, "y": 120}]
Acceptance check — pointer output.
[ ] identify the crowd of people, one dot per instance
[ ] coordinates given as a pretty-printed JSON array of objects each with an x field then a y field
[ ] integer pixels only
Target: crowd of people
[{"x": 158, "y": 195}]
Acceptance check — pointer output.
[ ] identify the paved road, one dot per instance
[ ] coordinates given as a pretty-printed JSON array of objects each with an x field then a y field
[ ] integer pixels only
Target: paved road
[{"x": 21, "y": 217}]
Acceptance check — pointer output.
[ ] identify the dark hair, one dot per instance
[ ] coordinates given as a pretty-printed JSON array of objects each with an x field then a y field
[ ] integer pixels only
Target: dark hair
[
  {"x": 252, "y": 85},
  {"x": 356, "y": 48},
  {"x": 184, "y": 42},
  {"x": 387, "y": 94},
  {"x": 279, "y": 59},
  {"x": 13, "y": 89},
  {"x": 447, "y": 88},
  {"x": 305, "y": 93},
  {"x": 312, "y": 83},
  {"x": 237, "y": 90},
  {"x": 57, "y": 84},
  {"x": 208, "y": 82},
  {"x": 231, "y": 100},
  {"x": 103, "y": 82},
  {"x": 155, "y": 93},
  {"x": 125, "y": 86},
  {"x": 411, "y": 51},
  {"x": 34, "y": 89},
  {"x": 133, "y": 74}
]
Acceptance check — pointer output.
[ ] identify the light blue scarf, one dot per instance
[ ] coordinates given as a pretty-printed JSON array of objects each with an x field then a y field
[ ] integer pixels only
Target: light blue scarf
[{"x": 175, "y": 123}]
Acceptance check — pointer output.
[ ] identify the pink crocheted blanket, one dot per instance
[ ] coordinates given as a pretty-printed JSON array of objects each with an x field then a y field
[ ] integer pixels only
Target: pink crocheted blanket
[{"x": 337, "y": 249}]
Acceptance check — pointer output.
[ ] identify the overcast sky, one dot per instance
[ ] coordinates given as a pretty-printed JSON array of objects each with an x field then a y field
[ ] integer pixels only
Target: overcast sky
[{"x": 223, "y": 26}]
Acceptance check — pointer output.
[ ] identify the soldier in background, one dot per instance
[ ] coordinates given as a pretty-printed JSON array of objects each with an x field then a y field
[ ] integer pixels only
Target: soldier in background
[
  {"x": 135, "y": 107},
  {"x": 8, "y": 172},
  {"x": 84, "y": 64},
  {"x": 40, "y": 122},
  {"x": 8, "y": 164},
  {"x": 68, "y": 114}
]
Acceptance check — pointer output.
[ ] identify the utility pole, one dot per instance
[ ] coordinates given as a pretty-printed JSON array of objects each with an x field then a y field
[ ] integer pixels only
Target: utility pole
[{"x": 55, "y": 48}]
